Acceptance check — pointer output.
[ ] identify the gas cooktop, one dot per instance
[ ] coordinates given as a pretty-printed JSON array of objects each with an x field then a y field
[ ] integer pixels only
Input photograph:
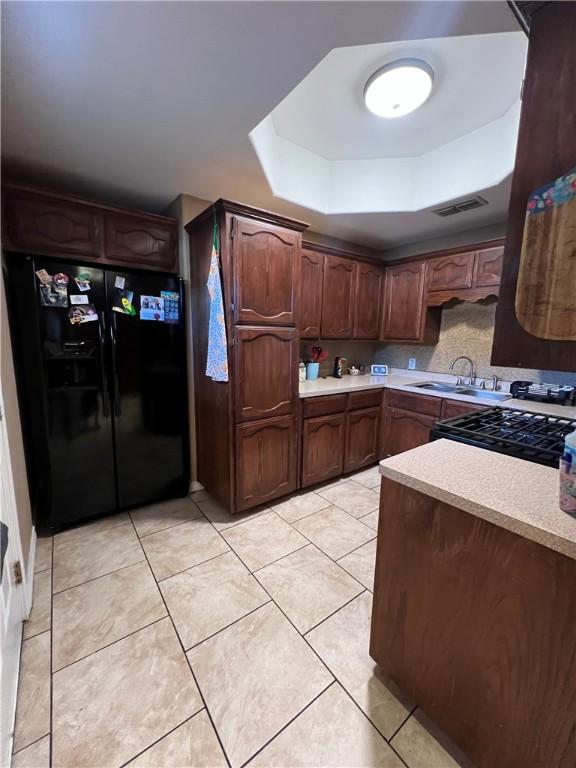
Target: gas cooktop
[{"x": 523, "y": 434}]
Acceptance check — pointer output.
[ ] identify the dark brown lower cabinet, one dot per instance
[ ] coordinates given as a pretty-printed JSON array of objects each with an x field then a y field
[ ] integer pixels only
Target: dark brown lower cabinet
[
  {"x": 405, "y": 430},
  {"x": 266, "y": 460},
  {"x": 362, "y": 432},
  {"x": 323, "y": 442}
]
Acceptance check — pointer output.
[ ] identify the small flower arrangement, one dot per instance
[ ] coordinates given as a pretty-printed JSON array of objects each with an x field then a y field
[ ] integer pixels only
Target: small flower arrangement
[{"x": 316, "y": 355}]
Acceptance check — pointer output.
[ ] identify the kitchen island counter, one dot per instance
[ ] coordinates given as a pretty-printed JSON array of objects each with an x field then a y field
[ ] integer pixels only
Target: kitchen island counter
[
  {"x": 512, "y": 493},
  {"x": 474, "y": 609}
]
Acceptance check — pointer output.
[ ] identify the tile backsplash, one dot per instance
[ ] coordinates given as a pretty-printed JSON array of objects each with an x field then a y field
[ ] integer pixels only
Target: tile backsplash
[{"x": 467, "y": 329}]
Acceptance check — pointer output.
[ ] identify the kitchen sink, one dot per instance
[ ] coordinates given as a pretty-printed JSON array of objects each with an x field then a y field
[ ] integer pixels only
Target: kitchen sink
[
  {"x": 437, "y": 386},
  {"x": 462, "y": 389}
]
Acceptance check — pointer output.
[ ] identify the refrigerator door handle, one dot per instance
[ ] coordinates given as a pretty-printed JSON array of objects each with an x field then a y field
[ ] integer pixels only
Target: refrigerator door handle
[
  {"x": 117, "y": 403},
  {"x": 103, "y": 381}
]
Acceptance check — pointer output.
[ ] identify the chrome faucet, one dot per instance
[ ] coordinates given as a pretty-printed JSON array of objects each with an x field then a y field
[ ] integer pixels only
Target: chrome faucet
[{"x": 472, "y": 375}]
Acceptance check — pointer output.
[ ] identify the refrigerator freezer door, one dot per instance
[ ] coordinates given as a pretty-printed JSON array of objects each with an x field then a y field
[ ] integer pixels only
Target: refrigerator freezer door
[
  {"x": 149, "y": 386},
  {"x": 63, "y": 378}
]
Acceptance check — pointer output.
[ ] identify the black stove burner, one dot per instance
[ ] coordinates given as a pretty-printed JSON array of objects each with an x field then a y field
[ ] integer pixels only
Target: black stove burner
[{"x": 526, "y": 435}]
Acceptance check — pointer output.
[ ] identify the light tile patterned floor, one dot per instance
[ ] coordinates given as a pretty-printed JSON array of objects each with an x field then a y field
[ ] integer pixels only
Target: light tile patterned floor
[{"x": 178, "y": 636}]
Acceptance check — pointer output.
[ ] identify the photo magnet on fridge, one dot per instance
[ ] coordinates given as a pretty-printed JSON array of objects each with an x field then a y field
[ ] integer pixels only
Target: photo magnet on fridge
[
  {"x": 82, "y": 283},
  {"x": 171, "y": 306},
  {"x": 152, "y": 308},
  {"x": 43, "y": 276},
  {"x": 123, "y": 302},
  {"x": 84, "y": 313},
  {"x": 78, "y": 298},
  {"x": 52, "y": 295},
  {"x": 60, "y": 278},
  {"x": 119, "y": 282}
]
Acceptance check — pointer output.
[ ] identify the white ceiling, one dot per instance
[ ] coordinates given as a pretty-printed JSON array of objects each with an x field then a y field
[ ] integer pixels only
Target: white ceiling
[
  {"x": 476, "y": 80},
  {"x": 138, "y": 102}
]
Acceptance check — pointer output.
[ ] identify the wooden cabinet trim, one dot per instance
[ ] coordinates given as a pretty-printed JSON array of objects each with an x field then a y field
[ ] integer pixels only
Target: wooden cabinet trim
[{"x": 488, "y": 268}]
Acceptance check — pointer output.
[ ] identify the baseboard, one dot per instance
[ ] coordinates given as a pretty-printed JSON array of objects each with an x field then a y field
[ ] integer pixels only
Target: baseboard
[{"x": 196, "y": 486}]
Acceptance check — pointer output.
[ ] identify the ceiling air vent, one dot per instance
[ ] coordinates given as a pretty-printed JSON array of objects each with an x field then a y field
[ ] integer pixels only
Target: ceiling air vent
[{"x": 460, "y": 206}]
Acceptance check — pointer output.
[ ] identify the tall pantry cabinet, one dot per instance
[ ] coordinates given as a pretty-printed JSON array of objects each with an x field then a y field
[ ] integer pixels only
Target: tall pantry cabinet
[{"x": 246, "y": 428}]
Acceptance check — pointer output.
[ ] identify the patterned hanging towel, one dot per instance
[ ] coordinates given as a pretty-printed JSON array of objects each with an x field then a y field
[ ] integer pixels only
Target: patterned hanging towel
[{"x": 217, "y": 358}]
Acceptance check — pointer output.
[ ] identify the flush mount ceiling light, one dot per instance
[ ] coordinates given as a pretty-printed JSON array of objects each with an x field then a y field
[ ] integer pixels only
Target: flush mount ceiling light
[{"x": 399, "y": 88}]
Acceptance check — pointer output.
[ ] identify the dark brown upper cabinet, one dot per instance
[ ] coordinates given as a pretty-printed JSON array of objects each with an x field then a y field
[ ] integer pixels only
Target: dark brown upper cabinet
[
  {"x": 338, "y": 298},
  {"x": 266, "y": 461},
  {"x": 266, "y": 272},
  {"x": 53, "y": 224},
  {"x": 546, "y": 150},
  {"x": 454, "y": 271},
  {"x": 405, "y": 316},
  {"x": 367, "y": 300},
  {"x": 311, "y": 288},
  {"x": 488, "y": 267},
  {"x": 137, "y": 241},
  {"x": 266, "y": 366}
]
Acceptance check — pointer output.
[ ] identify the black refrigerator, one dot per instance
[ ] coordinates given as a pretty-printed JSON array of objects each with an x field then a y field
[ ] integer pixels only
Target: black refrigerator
[{"x": 101, "y": 370}]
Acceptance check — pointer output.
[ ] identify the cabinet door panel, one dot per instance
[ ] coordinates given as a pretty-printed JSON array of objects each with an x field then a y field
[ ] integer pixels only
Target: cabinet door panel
[
  {"x": 337, "y": 301},
  {"x": 50, "y": 226},
  {"x": 266, "y": 372},
  {"x": 322, "y": 448},
  {"x": 362, "y": 434},
  {"x": 404, "y": 311},
  {"x": 311, "y": 282},
  {"x": 488, "y": 267},
  {"x": 266, "y": 461},
  {"x": 450, "y": 272},
  {"x": 266, "y": 272},
  {"x": 141, "y": 242},
  {"x": 406, "y": 430},
  {"x": 367, "y": 301}
]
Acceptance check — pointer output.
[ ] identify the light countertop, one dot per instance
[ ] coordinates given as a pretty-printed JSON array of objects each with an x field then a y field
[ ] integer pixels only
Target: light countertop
[
  {"x": 513, "y": 493},
  {"x": 405, "y": 380}
]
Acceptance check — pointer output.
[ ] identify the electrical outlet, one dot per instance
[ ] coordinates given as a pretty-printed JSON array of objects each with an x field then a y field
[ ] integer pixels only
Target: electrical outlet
[{"x": 411, "y": 363}]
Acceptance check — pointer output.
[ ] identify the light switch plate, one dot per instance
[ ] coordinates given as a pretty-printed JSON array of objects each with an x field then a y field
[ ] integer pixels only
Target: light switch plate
[{"x": 411, "y": 363}]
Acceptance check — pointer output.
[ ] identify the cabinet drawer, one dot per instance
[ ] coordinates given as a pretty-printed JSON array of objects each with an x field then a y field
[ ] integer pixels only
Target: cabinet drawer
[
  {"x": 367, "y": 399},
  {"x": 323, "y": 406},
  {"x": 452, "y": 408},
  {"x": 408, "y": 401}
]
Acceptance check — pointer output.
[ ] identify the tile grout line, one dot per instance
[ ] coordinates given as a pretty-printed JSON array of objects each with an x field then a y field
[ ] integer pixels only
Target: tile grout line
[
  {"x": 89, "y": 533},
  {"x": 109, "y": 645},
  {"x": 284, "y": 727},
  {"x": 363, "y": 588},
  {"x": 154, "y": 743},
  {"x": 190, "y": 567},
  {"x": 189, "y": 664},
  {"x": 209, "y": 637},
  {"x": 101, "y": 576},
  {"x": 168, "y": 527}
]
